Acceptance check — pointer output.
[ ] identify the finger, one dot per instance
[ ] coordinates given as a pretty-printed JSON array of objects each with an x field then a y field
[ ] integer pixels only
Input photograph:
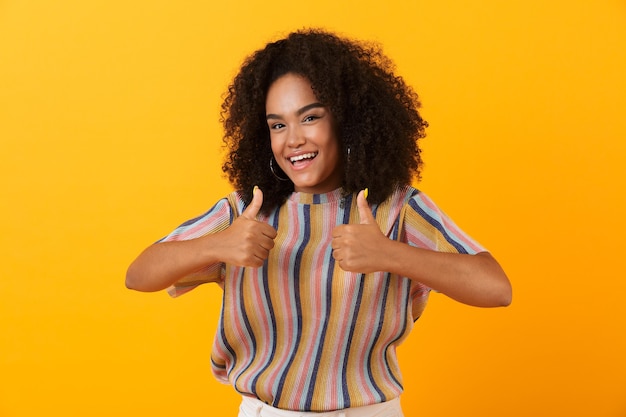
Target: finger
[
  {"x": 267, "y": 242},
  {"x": 255, "y": 205},
  {"x": 365, "y": 212},
  {"x": 270, "y": 232},
  {"x": 337, "y": 233}
]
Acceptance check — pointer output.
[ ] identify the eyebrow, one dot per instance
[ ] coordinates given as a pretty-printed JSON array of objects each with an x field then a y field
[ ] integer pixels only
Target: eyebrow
[{"x": 299, "y": 112}]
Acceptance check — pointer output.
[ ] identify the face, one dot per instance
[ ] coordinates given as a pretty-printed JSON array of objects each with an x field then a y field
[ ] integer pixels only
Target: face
[{"x": 302, "y": 133}]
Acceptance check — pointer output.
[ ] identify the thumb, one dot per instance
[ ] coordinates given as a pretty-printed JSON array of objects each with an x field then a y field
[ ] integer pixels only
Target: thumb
[
  {"x": 365, "y": 212},
  {"x": 255, "y": 205}
]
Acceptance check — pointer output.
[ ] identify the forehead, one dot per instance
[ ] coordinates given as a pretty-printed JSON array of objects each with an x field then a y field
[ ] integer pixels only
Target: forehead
[{"x": 289, "y": 92}]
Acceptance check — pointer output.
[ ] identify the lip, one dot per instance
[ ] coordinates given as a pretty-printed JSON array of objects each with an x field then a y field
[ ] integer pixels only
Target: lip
[
  {"x": 307, "y": 158},
  {"x": 301, "y": 156}
]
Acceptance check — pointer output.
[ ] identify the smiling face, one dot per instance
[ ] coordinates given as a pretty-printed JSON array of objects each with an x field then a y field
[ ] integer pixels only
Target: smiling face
[{"x": 302, "y": 134}]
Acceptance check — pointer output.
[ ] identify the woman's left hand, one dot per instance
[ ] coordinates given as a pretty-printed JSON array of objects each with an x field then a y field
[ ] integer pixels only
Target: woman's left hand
[
  {"x": 476, "y": 280},
  {"x": 356, "y": 246}
]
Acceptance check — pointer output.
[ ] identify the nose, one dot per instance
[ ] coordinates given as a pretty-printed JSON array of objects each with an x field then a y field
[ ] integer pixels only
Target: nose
[{"x": 296, "y": 137}]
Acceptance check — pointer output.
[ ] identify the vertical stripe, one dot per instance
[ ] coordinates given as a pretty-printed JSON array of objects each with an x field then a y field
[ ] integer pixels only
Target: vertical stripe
[
  {"x": 338, "y": 216},
  {"x": 279, "y": 288},
  {"x": 242, "y": 330},
  {"x": 400, "y": 334},
  {"x": 221, "y": 346},
  {"x": 346, "y": 351},
  {"x": 295, "y": 261},
  {"x": 376, "y": 337},
  {"x": 316, "y": 291},
  {"x": 270, "y": 336}
]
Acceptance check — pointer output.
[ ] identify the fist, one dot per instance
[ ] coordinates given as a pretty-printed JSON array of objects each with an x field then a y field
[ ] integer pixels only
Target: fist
[
  {"x": 248, "y": 241},
  {"x": 356, "y": 247}
]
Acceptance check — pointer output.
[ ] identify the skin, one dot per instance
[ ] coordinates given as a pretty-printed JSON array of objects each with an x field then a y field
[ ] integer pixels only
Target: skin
[{"x": 300, "y": 125}]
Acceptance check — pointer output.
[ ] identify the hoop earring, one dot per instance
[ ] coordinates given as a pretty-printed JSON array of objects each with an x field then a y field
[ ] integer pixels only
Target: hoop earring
[{"x": 274, "y": 173}]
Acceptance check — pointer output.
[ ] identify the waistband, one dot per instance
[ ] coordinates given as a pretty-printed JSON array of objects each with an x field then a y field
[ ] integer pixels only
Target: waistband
[{"x": 252, "y": 407}]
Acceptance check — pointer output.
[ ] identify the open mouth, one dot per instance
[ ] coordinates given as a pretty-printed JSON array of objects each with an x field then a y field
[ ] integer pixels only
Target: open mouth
[{"x": 305, "y": 157}]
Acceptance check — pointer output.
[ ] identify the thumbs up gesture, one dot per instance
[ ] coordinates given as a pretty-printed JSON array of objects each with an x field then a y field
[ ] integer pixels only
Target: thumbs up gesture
[
  {"x": 247, "y": 242},
  {"x": 357, "y": 246}
]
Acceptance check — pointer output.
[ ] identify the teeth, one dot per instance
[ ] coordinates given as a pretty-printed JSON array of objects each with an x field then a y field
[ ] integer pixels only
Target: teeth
[{"x": 303, "y": 156}]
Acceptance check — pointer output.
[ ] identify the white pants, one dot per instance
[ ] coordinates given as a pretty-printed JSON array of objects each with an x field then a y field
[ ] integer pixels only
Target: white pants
[{"x": 252, "y": 407}]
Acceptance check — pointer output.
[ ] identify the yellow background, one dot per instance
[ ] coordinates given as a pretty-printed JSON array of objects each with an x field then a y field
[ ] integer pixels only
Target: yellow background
[{"x": 110, "y": 138}]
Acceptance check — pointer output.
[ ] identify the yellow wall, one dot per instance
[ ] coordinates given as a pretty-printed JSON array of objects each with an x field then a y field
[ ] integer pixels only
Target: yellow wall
[{"x": 109, "y": 138}]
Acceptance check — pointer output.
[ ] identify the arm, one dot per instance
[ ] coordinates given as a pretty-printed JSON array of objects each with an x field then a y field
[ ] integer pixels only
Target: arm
[
  {"x": 476, "y": 280},
  {"x": 246, "y": 242},
  {"x": 471, "y": 279}
]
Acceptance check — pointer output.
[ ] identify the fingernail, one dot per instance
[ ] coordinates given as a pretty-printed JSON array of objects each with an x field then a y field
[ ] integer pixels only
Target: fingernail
[
  {"x": 366, "y": 192},
  {"x": 254, "y": 190}
]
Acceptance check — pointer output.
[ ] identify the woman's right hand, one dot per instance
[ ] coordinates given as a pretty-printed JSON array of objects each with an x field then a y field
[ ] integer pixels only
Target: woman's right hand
[{"x": 248, "y": 241}]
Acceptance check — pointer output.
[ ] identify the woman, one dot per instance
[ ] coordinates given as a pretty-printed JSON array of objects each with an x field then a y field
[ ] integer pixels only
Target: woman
[{"x": 320, "y": 287}]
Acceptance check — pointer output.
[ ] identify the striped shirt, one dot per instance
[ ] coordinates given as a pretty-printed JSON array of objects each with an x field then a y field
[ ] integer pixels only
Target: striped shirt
[{"x": 299, "y": 333}]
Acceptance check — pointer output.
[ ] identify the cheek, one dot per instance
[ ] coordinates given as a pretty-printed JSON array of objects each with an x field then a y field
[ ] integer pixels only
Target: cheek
[
  {"x": 277, "y": 152},
  {"x": 333, "y": 145},
  {"x": 275, "y": 146}
]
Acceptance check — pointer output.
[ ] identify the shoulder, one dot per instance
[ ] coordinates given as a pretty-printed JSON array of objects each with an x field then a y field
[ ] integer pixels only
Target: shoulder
[
  {"x": 401, "y": 196},
  {"x": 421, "y": 203},
  {"x": 236, "y": 202},
  {"x": 418, "y": 205},
  {"x": 392, "y": 210},
  {"x": 225, "y": 207}
]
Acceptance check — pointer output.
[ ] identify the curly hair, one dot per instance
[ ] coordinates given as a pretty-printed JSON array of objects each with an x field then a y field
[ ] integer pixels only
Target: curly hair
[{"x": 378, "y": 124}]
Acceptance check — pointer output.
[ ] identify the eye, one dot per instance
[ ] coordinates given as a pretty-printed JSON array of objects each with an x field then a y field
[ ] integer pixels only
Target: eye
[
  {"x": 310, "y": 118},
  {"x": 277, "y": 126}
]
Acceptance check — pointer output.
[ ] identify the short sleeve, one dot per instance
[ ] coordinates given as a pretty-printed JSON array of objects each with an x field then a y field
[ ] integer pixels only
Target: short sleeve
[
  {"x": 427, "y": 226},
  {"x": 217, "y": 219}
]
